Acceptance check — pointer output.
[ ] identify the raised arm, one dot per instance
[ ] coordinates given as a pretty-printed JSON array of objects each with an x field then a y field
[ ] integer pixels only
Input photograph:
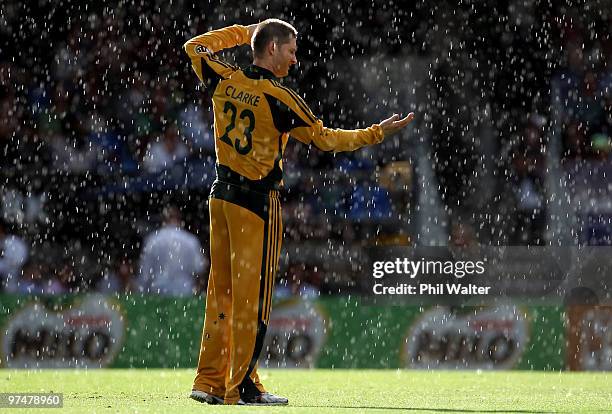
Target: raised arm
[{"x": 201, "y": 50}]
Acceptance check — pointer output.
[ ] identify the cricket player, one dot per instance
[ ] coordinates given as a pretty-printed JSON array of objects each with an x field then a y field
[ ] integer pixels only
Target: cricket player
[{"x": 254, "y": 116}]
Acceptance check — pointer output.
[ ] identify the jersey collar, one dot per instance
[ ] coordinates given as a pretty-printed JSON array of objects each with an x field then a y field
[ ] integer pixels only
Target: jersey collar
[{"x": 257, "y": 72}]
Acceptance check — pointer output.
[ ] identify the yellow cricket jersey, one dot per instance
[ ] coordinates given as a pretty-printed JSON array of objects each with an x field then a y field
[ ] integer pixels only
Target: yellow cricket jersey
[{"x": 254, "y": 114}]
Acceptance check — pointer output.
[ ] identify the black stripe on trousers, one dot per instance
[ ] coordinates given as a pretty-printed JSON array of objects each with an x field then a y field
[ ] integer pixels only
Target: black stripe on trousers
[
  {"x": 247, "y": 388},
  {"x": 273, "y": 258}
]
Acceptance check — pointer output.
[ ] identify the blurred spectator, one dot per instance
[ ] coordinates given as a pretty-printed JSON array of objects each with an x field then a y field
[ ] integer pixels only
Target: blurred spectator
[
  {"x": 584, "y": 90},
  {"x": 170, "y": 151},
  {"x": 68, "y": 277},
  {"x": 53, "y": 285},
  {"x": 71, "y": 153},
  {"x": 171, "y": 259},
  {"x": 36, "y": 279},
  {"x": 13, "y": 255},
  {"x": 528, "y": 164},
  {"x": 462, "y": 234},
  {"x": 112, "y": 155},
  {"x": 369, "y": 202},
  {"x": 197, "y": 130},
  {"x": 301, "y": 280},
  {"x": 119, "y": 279},
  {"x": 31, "y": 281},
  {"x": 574, "y": 141}
]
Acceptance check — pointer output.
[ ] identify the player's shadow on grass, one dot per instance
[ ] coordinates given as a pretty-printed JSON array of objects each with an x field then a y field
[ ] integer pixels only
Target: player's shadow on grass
[{"x": 437, "y": 410}]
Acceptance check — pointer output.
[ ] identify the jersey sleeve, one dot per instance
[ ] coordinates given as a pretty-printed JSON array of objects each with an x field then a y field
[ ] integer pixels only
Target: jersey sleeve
[
  {"x": 337, "y": 140},
  {"x": 307, "y": 128},
  {"x": 201, "y": 50}
]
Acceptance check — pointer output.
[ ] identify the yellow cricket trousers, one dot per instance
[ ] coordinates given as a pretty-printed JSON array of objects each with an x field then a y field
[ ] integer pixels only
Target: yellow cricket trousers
[{"x": 245, "y": 243}]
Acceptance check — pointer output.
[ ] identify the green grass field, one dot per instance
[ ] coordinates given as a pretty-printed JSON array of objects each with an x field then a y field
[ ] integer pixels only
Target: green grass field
[{"x": 325, "y": 391}]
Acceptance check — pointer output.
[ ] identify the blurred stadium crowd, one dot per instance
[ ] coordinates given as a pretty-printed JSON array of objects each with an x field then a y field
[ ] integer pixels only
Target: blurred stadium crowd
[{"x": 104, "y": 128}]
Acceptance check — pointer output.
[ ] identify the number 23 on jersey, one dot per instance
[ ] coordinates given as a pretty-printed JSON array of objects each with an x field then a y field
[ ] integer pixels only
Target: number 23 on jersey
[{"x": 246, "y": 115}]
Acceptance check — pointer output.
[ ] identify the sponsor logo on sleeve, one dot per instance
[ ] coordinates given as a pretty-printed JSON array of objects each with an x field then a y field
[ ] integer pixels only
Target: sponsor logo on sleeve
[{"x": 201, "y": 50}]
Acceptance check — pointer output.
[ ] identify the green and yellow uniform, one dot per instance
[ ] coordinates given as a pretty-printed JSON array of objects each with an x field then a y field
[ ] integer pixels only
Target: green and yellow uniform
[{"x": 254, "y": 116}]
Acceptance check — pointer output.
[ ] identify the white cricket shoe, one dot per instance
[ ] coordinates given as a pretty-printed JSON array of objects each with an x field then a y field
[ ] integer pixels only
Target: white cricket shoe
[{"x": 265, "y": 399}]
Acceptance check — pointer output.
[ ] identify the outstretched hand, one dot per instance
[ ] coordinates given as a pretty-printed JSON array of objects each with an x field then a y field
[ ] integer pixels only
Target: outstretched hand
[{"x": 392, "y": 125}]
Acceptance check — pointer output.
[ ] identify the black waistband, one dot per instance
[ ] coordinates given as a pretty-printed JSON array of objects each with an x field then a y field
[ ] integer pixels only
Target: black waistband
[
  {"x": 263, "y": 186},
  {"x": 251, "y": 200}
]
